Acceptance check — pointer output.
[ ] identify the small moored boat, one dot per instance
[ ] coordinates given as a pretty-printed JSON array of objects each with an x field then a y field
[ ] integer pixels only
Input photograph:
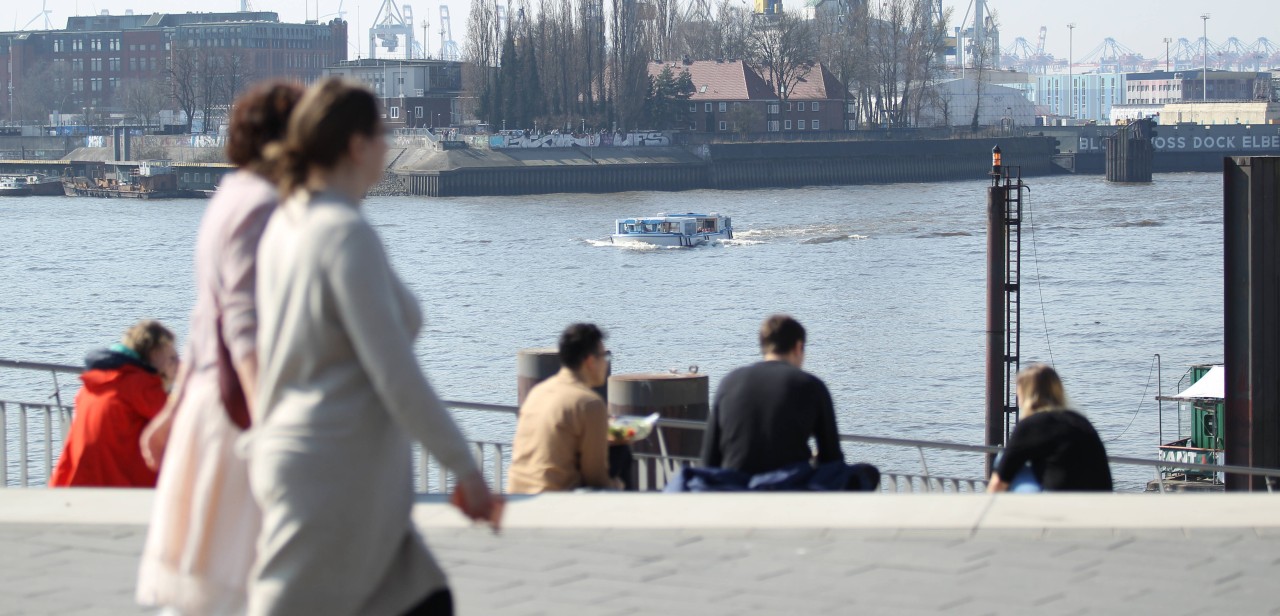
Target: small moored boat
[
  {"x": 14, "y": 186},
  {"x": 674, "y": 229}
]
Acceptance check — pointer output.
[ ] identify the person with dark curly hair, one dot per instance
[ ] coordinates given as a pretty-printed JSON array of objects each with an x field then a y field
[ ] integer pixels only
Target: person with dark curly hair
[{"x": 200, "y": 543}]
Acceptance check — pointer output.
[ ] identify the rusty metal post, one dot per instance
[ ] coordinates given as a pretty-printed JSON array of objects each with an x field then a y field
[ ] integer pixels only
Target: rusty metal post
[
  {"x": 996, "y": 263},
  {"x": 673, "y": 396},
  {"x": 1251, "y": 307}
]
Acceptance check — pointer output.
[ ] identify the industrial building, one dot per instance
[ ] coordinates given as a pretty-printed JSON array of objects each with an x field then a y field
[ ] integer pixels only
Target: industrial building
[{"x": 83, "y": 68}]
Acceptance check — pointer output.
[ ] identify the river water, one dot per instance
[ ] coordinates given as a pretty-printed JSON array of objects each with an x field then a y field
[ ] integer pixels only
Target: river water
[{"x": 888, "y": 280}]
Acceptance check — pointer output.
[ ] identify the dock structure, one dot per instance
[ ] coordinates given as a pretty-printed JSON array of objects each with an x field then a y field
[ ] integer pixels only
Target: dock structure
[
  {"x": 1129, "y": 153},
  {"x": 76, "y": 552}
]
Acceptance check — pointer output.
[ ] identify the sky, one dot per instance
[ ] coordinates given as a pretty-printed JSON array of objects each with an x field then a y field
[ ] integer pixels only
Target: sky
[{"x": 1140, "y": 26}]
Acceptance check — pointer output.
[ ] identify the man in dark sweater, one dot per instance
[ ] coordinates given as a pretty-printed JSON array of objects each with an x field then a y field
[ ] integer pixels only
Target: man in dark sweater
[{"x": 764, "y": 414}]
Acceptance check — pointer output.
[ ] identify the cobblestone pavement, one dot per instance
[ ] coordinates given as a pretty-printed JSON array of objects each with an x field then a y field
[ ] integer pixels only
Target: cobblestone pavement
[{"x": 752, "y": 564}]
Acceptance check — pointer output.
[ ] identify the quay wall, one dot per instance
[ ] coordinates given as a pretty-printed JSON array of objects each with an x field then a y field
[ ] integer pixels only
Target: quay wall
[{"x": 750, "y": 165}]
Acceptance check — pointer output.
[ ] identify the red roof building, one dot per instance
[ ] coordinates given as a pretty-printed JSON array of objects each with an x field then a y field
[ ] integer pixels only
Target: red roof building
[{"x": 732, "y": 96}]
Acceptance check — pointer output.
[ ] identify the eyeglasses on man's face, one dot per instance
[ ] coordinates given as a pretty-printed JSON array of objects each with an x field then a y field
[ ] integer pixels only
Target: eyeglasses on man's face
[{"x": 607, "y": 355}]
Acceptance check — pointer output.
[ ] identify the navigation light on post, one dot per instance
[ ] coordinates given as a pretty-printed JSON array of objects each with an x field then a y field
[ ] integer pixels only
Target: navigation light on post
[{"x": 995, "y": 160}]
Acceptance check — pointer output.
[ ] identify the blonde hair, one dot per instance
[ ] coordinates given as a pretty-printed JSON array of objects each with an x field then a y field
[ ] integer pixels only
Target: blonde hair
[
  {"x": 1040, "y": 389},
  {"x": 147, "y": 336}
]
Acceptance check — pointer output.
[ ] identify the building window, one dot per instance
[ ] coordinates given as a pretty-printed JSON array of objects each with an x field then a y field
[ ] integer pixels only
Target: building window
[
  {"x": 737, "y": 106},
  {"x": 801, "y": 124},
  {"x": 133, "y": 64},
  {"x": 723, "y": 125},
  {"x": 788, "y": 107},
  {"x": 815, "y": 125},
  {"x": 800, "y": 107},
  {"x": 95, "y": 64},
  {"x": 773, "y": 108},
  {"x": 724, "y": 107},
  {"x": 693, "y": 107},
  {"x": 815, "y": 105},
  {"x": 395, "y": 112},
  {"x": 417, "y": 112},
  {"x": 773, "y": 126},
  {"x": 707, "y": 108},
  {"x": 787, "y": 125}
]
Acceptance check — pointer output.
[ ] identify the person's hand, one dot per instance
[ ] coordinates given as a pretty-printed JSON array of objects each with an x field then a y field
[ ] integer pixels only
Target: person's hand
[
  {"x": 995, "y": 484},
  {"x": 155, "y": 437},
  {"x": 472, "y": 497}
]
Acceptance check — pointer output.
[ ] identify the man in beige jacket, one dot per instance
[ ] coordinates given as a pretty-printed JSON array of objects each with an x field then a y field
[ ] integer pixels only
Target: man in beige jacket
[{"x": 562, "y": 435}]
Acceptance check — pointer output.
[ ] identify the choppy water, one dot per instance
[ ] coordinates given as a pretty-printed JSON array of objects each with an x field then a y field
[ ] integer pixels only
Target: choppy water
[{"x": 889, "y": 281}]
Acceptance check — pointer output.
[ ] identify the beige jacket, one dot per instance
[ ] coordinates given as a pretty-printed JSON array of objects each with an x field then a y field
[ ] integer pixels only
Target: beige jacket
[{"x": 561, "y": 439}]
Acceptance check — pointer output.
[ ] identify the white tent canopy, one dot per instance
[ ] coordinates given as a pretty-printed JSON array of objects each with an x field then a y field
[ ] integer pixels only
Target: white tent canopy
[{"x": 1210, "y": 386}]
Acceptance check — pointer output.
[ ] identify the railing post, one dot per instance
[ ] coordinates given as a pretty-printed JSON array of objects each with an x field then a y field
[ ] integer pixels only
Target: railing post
[
  {"x": 22, "y": 445},
  {"x": 424, "y": 470},
  {"x": 4, "y": 446},
  {"x": 501, "y": 486},
  {"x": 48, "y": 443}
]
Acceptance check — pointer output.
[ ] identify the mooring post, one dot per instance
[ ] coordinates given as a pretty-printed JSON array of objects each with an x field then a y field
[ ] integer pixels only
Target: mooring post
[
  {"x": 1251, "y": 314},
  {"x": 996, "y": 263}
]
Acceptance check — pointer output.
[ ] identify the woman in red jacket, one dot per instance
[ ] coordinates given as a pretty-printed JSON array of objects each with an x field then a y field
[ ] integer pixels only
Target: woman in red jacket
[{"x": 124, "y": 387}]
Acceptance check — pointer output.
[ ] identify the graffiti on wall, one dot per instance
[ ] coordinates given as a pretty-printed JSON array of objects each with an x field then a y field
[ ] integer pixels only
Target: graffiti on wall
[{"x": 593, "y": 140}]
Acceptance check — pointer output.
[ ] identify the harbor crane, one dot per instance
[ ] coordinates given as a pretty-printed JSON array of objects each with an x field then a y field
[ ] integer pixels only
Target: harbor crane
[
  {"x": 448, "y": 47},
  {"x": 390, "y": 26}
]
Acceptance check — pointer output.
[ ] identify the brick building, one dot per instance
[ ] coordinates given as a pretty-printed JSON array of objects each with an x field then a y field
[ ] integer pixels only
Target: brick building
[
  {"x": 90, "y": 60},
  {"x": 414, "y": 93},
  {"x": 732, "y": 96}
]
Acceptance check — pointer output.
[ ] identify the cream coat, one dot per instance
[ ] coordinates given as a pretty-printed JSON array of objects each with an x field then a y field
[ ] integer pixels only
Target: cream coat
[{"x": 340, "y": 395}]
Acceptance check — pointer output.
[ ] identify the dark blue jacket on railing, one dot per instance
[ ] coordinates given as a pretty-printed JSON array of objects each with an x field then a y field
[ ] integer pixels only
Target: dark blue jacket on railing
[{"x": 798, "y": 477}]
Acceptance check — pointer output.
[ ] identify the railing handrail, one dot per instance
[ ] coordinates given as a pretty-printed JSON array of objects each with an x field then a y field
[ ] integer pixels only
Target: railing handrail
[
  {"x": 686, "y": 424},
  {"x": 37, "y": 366}
]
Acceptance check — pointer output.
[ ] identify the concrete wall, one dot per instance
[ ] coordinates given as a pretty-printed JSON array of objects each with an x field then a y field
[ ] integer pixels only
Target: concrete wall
[{"x": 755, "y": 165}]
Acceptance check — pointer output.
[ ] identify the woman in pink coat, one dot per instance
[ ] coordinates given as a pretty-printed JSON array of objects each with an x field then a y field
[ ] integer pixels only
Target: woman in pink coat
[{"x": 200, "y": 545}]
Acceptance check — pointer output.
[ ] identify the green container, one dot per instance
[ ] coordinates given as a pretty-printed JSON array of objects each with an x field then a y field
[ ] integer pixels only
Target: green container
[{"x": 1206, "y": 418}]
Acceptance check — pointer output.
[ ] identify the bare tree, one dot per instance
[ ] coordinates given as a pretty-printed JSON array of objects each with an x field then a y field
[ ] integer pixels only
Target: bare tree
[
  {"x": 629, "y": 59},
  {"x": 184, "y": 70},
  {"x": 144, "y": 98},
  {"x": 237, "y": 73},
  {"x": 786, "y": 49},
  {"x": 481, "y": 56},
  {"x": 45, "y": 87}
]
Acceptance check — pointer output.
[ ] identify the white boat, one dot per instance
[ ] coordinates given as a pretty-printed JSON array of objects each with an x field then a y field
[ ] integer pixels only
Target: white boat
[
  {"x": 14, "y": 186},
  {"x": 674, "y": 229}
]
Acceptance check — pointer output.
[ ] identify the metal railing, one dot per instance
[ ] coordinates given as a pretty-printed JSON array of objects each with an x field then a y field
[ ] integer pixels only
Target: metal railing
[{"x": 48, "y": 423}]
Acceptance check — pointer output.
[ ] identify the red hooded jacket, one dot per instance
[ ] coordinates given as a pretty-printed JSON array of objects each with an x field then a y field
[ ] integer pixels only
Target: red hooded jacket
[{"x": 119, "y": 397}]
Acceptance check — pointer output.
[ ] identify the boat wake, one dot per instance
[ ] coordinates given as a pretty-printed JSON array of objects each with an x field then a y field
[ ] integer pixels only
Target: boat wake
[
  {"x": 829, "y": 239},
  {"x": 1146, "y": 222},
  {"x": 941, "y": 234},
  {"x": 805, "y": 234},
  {"x": 639, "y": 246}
]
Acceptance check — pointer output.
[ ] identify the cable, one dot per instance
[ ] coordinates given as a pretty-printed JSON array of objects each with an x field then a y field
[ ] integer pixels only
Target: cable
[
  {"x": 1035, "y": 257},
  {"x": 1144, "y": 399}
]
